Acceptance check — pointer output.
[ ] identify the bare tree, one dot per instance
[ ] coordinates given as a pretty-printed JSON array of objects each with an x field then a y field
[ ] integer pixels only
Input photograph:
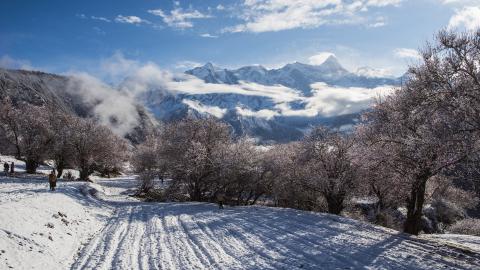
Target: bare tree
[
  {"x": 282, "y": 165},
  {"x": 9, "y": 123},
  {"x": 431, "y": 124},
  {"x": 243, "y": 172},
  {"x": 329, "y": 167},
  {"x": 61, "y": 150},
  {"x": 191, "y": 148},
  {"x": 95, "y": 147}
]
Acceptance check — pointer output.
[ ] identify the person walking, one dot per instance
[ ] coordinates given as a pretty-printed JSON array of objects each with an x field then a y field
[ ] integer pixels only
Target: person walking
[
  {"x": 52, "y": 180},
  {"x": 220, "y": 199},
  {"x": 5, "y": 168},
  {"x": 12, "y": 168}
]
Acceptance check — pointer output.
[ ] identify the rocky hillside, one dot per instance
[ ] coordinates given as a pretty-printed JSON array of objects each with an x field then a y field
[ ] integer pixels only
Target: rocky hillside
[{"x": 57, "y": 91}]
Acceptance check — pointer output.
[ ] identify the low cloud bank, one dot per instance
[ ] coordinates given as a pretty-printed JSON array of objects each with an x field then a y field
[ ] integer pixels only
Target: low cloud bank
[
  {"x": 116, "y": 106},
  {"x": 110, "y": 106}
]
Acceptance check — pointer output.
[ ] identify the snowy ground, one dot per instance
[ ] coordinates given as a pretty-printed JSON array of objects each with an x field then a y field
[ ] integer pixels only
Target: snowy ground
[{"x": 98, "y": 226}]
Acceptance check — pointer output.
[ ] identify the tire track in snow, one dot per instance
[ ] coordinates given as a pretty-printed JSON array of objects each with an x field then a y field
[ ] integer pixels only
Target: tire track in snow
[
  {"x": 180, "y": 245},
  {"x": 206, "y": 243},
  {"x": 289, "y": 249},
  {"x": 196, "y": 236},
  {"x": 303, "y": 240}
]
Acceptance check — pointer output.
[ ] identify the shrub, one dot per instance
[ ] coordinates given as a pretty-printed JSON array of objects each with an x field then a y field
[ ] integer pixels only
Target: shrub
[{"x": 470, "y": 226}]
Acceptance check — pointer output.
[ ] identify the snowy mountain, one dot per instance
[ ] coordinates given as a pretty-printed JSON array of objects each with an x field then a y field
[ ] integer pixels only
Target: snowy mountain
[
  {"x": 297, "y": 75},
  {"x": 270, "y": 104}
]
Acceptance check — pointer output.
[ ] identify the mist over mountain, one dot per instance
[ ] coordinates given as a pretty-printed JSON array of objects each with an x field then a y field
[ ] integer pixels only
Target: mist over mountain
[
  {"x": 325, "y": 94},
  {"x": 267, "y": 104},
  {"x": 79, "y": 95}
]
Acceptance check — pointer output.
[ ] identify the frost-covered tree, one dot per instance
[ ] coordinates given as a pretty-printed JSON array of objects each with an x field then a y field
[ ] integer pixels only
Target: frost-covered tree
[
  {"x": 431, "y": 123},
  {"x": 192, "y": 148},
  {"x": 28, "y": 129},
  {"x": 95, "y": 147},
  {"x": 376, "y": 177},
  {"x": 10, "y": 125},
  {"x": 287, "y": 188},
  {"x": 36, "y": 136},
  {"x": 61, "y": 151},
  {"x": 328, "y": 167},
  {"x": 243, "y": 173}
]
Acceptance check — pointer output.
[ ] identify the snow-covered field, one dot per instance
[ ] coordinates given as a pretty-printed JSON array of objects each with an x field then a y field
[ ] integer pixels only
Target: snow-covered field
[{"x": 98, "y": 226}]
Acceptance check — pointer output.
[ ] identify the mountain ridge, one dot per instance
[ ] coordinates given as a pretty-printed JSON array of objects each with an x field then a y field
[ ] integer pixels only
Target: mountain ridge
[{"x": 295, "y": 75}]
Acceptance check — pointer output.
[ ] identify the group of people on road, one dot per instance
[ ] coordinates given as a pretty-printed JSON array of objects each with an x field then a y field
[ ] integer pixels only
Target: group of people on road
[{"x": 8, "y": 169}]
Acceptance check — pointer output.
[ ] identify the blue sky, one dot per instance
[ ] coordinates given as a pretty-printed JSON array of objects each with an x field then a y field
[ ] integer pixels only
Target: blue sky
[{"x": 62, "y": 36}]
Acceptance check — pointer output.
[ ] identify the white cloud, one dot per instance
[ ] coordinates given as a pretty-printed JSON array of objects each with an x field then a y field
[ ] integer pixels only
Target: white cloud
[
  {"x": 187, "y": 65},
  {"x": 278, "y": 15},
  {"x": 207, "y": 35},
  {"x": 100, "y": 18},
  {"x": 117, "y": 67},
  {"x": 98, "y": 30},
  {"x": 458, "y": 2},
  {"x": 179, "y": 18},
  {"x": 264, "y": 113},
  {"x": 130, "y": 20},
  {"x": 379, "y": 22},
  {"x": 328, "y": 101},
  {"x": 374, "y": 72},
  {"x": 8, "y": 62},
  {"x": 212, "y": 110},
  {"x": 319, "y": 58},
  {"x": 407, "y": 53},
  {"x": 110, "y": 106},
  {"x": 383, "y": 3},
  {"x": 220, "y": 7},
  {"x": 467, "y": 17}
]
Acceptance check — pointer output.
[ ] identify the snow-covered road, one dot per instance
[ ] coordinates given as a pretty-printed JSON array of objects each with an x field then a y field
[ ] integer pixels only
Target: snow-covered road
[
  {"x": 199, "y": 236},
  {"x": 137, "y": 235}
]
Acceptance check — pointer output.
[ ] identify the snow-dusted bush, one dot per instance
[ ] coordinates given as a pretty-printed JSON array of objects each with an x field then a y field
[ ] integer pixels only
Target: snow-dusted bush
[
  {"x": 447, "y": 212},
  {"x": 193, "y": 150},
  {"x": 328, "y": 168},
  {"x": 470, "y": 226},
  {"x": 96, "y": 147}
]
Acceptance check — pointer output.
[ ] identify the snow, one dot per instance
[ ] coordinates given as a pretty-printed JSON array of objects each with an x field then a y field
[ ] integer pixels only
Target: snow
[
  {"x": 104, "y": 228},
  {"x": 41, "y": 229},
  {"x": 468, "y": 242}
]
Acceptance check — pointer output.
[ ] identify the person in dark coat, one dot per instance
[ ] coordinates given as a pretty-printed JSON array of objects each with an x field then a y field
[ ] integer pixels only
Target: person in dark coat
[
  {"x": 5, "y": 168},
  {"x": 52, "y": 180},
  {"x": 220, "y": 199},
  {"x": 12, "y": 168}
]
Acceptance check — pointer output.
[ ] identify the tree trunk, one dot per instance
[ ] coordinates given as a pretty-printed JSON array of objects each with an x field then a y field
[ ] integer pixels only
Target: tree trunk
[
  {"x": 196, "y": 194},
  {"x": 84, "y": 174},
  {"x": 335, "y": 204},
  {"x": 60, "y": 166},
  {"x": 18, "y": 154},
  {"x": 59, "y": 172},
  {"x": 415, "y": 202},
  {"x": 31, "y": 166}
]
